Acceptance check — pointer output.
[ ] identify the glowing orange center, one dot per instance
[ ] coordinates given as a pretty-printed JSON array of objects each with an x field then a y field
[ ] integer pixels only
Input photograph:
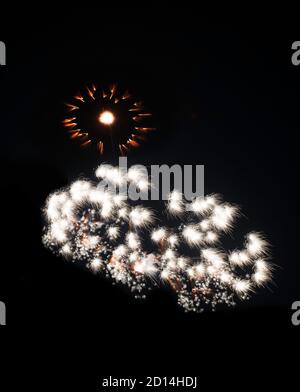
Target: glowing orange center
[{"x": 106, "y": 117}]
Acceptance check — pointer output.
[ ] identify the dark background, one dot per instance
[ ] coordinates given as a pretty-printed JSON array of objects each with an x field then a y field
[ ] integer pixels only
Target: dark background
[{"x": 225, "y": 94}]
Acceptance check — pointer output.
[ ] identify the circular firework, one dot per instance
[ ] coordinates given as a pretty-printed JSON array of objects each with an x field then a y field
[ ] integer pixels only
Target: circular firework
[{"x": 108, "y": 119}]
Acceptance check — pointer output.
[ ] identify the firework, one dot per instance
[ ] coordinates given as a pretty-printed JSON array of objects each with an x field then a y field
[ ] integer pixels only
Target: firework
[
  {"x": 107, "y": 119},
  {"x": 107, "y": 233}
]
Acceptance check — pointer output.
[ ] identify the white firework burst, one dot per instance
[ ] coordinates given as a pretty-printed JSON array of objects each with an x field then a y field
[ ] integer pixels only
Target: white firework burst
[{"x": 91, "y": 224}]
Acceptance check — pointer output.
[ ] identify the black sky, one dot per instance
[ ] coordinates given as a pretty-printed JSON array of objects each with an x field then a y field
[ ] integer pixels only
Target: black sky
[{"x": 224, "y": 94}]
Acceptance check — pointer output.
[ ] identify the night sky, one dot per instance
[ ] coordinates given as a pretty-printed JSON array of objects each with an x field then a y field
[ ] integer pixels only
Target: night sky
[{"x": 224, "y": 95}]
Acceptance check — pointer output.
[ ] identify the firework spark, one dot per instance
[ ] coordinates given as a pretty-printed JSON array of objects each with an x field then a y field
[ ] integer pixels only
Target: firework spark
[
  {"x": 107, "y": 119},
  {"x": 108, "y": 234}
]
